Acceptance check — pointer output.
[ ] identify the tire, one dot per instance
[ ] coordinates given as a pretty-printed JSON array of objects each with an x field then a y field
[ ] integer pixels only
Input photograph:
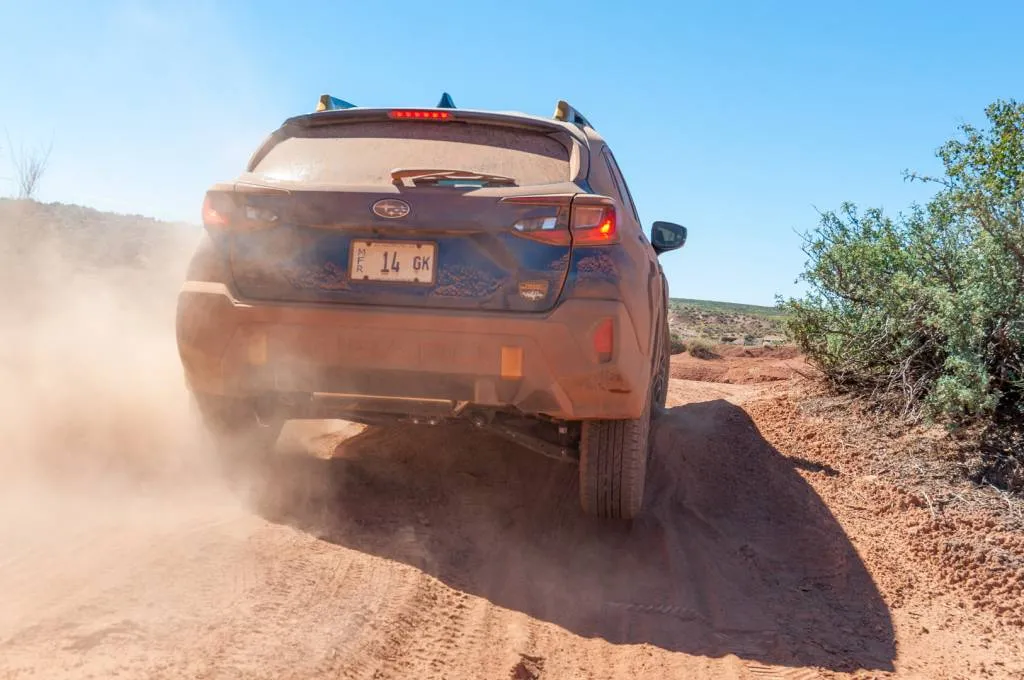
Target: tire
[
  {"x": 237, "y": 433},
  {"x": 661, "y": 378},
  {"x": 614, "y": 453},
  {"x": 613, "y": 465}
]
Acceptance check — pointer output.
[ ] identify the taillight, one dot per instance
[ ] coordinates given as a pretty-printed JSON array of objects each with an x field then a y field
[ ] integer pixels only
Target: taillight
[
  {"x": 217, "y": 210},
  {"x": 546, "y": 229},
  {"x": 604, "y": 340},
  {"x": 594, "y": 224},
  {"x": 590, "y": 222},
  {"x": 412, "y": 114},
  {"x": 240, "y": 209},
  {"x": 548, "y": 221}
]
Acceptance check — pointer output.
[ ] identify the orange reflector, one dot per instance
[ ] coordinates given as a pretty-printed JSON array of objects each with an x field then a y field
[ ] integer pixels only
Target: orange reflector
[
  {"x": 256, "y": 352},
  {"x": 604, "y": 340},
  {"x": 511, "y": 363}
]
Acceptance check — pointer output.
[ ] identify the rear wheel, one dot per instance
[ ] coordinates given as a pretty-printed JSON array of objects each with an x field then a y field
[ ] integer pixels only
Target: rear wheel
[
  {"x": 613, "y": 465},
  {"x": 238, "y": 435},
  {"x": 661, "y": 376},
  {"x": 613, "y": 453}
]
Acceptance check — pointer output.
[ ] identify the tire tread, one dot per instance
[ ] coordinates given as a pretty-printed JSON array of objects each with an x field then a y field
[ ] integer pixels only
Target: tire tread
[{"x": 614, "y": 453}]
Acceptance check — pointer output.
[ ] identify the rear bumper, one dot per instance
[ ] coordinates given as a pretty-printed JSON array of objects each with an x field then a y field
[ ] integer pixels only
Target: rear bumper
[{"x": 372, "y": 359}]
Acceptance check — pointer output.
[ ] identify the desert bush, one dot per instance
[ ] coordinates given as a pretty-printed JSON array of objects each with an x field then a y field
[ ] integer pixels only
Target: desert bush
[
  {"x": 702, "y": 348},
  {"x": 676, "y": 345},
  {"x": 925, "y": 311},
  {"x": 29, "y": 165}
]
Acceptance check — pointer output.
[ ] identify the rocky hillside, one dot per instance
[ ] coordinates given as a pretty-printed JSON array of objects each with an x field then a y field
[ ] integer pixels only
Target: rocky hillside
[
  {"x": 726, "y": 322},
  {"x": 86, "y": 236}
]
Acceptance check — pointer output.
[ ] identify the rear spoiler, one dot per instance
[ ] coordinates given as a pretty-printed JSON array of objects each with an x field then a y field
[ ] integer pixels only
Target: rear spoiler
[
  {"x": 564, "y": 111},
  {"x": 337, "y": 111}
]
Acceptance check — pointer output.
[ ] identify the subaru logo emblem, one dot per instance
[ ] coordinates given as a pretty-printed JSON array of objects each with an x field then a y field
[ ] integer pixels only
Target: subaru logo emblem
[{"x": 391, "y": 208}]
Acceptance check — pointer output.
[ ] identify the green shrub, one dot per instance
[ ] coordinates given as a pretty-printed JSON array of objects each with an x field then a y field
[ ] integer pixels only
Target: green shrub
[
  {"x": 925, "y": 311},
  {"x": 702, "y": 348},
  {"x": 676, "y": 344}
]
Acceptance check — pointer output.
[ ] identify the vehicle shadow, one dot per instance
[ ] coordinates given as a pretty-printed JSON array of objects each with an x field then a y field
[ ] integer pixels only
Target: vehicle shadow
[{"x": 735, "y": 553}]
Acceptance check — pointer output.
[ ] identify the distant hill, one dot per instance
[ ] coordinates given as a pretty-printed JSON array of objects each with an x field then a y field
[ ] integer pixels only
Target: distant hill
[
  {"x": 49, "y": 251},
  {"x": 733, "y": 307},
  {"x": 87, "y": 237},
  {"x": 726, "y": 321}
]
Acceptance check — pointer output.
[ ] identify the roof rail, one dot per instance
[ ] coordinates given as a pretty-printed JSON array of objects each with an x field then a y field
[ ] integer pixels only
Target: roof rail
[
  {"x": 446, "y": 101},
  {"x": 567, "y": 114},
  {"x": 329, "y": 103}
]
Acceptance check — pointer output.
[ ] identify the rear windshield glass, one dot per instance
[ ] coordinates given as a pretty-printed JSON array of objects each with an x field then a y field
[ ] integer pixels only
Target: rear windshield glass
[{"x": 366, "y": 153}]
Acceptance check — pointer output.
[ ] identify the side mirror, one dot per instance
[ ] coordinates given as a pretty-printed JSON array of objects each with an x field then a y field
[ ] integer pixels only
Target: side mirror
[{"x": 666, "y": 236}]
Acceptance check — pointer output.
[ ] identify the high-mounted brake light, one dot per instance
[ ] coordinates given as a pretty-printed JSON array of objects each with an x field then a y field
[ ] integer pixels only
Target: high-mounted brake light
[{"x": 415, "y": 114}]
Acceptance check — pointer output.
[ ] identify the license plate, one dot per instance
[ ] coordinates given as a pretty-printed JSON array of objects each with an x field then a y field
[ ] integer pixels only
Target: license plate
[{"x": 401, "y": 261}]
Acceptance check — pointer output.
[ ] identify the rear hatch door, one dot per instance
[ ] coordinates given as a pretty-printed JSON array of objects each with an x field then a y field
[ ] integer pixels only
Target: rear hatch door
[{"x": 369, "y": 213}]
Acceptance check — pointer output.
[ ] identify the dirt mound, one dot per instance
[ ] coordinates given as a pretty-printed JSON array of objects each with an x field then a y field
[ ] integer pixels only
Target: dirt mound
[
  {"x": 740, "y": 365},
  {"x": 940, "y": 537},
  {"x": 770, "y": 352}
]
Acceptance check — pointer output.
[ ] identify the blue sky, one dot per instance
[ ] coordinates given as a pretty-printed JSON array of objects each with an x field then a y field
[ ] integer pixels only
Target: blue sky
[{"x": 737, "y": 119}]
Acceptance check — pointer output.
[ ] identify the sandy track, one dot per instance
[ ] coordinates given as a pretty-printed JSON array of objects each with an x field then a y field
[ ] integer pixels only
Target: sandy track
[{"x": 442, "y": 553}]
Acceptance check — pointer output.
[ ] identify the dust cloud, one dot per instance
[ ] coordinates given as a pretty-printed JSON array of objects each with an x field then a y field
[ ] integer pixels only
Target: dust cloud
[{"x": 92, "y": 388}]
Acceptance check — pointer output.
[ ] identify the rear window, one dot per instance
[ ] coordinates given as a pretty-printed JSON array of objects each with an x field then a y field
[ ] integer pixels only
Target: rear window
[{"x": 366, "y": 153}]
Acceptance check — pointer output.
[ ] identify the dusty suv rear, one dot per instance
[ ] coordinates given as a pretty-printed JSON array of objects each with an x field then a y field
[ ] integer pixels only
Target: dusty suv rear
[{"x": 434, "y": 265}]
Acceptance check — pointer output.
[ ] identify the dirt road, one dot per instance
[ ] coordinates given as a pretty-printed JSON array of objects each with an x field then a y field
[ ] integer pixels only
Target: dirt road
[{"x": 436, "y": 553}]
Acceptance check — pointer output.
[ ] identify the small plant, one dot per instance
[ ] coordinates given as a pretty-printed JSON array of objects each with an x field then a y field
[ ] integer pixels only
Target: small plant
[
  {"x": 29, "y": 165},
  {"x": 676, "y": 345},
  {"x": 702, "y": 348}
]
